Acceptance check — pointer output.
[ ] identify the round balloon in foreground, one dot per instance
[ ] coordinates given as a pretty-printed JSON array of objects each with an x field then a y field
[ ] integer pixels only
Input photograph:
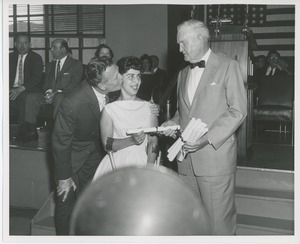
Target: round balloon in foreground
[{"x": 139, "y": 201}]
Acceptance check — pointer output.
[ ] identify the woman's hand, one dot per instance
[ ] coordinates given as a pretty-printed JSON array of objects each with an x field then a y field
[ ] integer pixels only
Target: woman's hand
[
  {"x": 154, "y": 108},
  {"x": 138, "y": 138}
]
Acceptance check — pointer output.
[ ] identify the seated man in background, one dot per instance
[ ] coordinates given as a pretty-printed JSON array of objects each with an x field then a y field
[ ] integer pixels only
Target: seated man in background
[
  {"x": 25, "y": 76},
  {"x": 274, "y": 67},
  {"x": 260, "y": 65},
  {"x": 62, "y": 75}
]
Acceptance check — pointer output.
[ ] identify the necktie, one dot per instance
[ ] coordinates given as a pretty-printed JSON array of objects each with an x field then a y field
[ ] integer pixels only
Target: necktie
[
  {"x": 200, "y": 64},
  {"x": 20, "y": 81},
  {"x": 57, "y": 69},
  {"x": 271, "y": 72}
]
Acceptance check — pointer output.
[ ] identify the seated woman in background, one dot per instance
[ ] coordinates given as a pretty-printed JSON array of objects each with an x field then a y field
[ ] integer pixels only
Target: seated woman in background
[
  {"x": 128, "y": 112},
  {"x": 149, "y": 89}
]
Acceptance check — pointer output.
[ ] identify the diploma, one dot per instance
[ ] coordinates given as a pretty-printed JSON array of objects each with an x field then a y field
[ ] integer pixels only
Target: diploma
[{"x": 152, "y": 129}]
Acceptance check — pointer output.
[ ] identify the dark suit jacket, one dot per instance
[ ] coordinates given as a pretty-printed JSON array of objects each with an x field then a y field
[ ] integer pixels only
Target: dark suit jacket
[
  {"x": 33, "y": 70},
  {"x": 263, "y": 71},
  {"x": 69, "y": 76},
  {"x": 162, "y": 78},
  {"x": 147, "y": 87},
  {"x": 77, "y": 131},
  {"x": 220, "y": 102}
]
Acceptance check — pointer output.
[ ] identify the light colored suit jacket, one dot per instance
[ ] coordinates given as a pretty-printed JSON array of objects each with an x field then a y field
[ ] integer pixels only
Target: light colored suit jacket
[{"x": 220, "y": 102}]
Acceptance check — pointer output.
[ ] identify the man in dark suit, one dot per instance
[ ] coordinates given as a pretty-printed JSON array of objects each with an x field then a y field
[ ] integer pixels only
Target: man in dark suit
[
  {"x": 212, "y": 90},
  {"x": 62, "y": 75},
  {"x": 76, "y": 136},
  {"x": 274, "y": 67},
  {"x": 25, "y": 77},
  {"x": 160, "y": 76}
]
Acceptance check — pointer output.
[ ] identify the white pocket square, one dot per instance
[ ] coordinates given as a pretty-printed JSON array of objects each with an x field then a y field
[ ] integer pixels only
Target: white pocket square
[
  {"x": 213, "y": 84},
  {"x": 66, "y": 73}
]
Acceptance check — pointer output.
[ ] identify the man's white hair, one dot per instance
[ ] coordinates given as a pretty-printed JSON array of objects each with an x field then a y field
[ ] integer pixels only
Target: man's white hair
[{"x": 197, "y": 26}]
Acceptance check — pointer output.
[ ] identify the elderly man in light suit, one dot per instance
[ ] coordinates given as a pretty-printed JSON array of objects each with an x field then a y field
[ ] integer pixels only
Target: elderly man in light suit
[{"x": 215, "y": 94}]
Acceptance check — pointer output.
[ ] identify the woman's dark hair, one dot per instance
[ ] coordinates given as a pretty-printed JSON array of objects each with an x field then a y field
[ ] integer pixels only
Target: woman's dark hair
[
  {"x": 128, "y": 63},
  {"x": 104, "y": 46},
  {"x": 95, "y": 69},
  {"x": 146, "y": 56}
]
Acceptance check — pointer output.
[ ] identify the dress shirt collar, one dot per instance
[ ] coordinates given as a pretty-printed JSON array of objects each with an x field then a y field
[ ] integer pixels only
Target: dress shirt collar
[
  {"x": 101, "y": 98},
  {"x": 204, "y": 58},
  {"x": 24, "y": 56},
  {"x": 62, "y": 61}
]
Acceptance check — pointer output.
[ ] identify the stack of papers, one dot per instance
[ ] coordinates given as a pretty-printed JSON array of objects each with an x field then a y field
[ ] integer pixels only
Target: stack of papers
[{"x": 194, "y": 130}]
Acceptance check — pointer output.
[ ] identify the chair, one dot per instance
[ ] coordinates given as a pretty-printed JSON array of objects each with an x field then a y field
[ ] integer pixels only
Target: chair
[{"x": 275, "y": 101}]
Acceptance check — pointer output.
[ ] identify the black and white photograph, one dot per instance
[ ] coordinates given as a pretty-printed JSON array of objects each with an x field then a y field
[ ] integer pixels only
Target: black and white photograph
[{"x": 149, "y": 122}]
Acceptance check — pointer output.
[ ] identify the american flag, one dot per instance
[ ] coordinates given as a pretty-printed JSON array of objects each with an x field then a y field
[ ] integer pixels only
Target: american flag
[
  {"x": 256, "y": 14},
  {"x": 273, "y": 26}
]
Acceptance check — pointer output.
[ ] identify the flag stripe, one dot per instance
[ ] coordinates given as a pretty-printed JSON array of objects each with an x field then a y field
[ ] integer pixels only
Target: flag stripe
[
  {"x": 273, "y": 29},
  {"x": 280, "y": 10},
  {"x": 276, "y": 47},
  {"x": 278, "y": 35},
  {"x": 278, "y": 41},
  {"x": 280, "y": 23},
  {"x": 283, "y": 53},
  {"x": 281, "y": 6},
  {"x": 281, "y": 17}
]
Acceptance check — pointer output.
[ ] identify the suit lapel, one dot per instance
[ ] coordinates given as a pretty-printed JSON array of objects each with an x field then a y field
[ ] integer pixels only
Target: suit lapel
[
  {"x": 206, "y": 78},
  {"x": 184, "y": 85},
  {"x": 27, "y": 64},
  {"x": 93, "y": 101},
  {"x": 65, "y": 67},
  {"x": 14, "y": 63},
  {"x": 52, "y": 74}
]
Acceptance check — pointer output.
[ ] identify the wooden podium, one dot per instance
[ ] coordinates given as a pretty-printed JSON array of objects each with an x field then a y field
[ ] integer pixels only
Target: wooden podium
[{"x": 230, "y": 41}]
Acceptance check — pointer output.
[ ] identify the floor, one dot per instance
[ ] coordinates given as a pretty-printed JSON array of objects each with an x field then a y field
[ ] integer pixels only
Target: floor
[{"x": 270, "y": 150}]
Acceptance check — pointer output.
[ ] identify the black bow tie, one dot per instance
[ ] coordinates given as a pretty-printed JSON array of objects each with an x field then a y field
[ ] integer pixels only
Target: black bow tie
[{"x": 200, "y": 64}]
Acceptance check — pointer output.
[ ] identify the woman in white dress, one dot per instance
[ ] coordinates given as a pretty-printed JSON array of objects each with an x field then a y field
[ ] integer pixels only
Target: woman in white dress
[{"x": 128, "y": 112}]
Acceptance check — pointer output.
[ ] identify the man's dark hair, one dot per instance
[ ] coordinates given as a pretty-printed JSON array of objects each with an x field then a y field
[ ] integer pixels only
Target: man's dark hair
[
  {"x": 64, "y": 43},
  {"x": 95, "y": 69},
  {"x": 104, "y": 46},
  {"x": 22, "y": 34},
  {"x": 273, "y": 51},
  {"x": 154, "y": 57}
]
